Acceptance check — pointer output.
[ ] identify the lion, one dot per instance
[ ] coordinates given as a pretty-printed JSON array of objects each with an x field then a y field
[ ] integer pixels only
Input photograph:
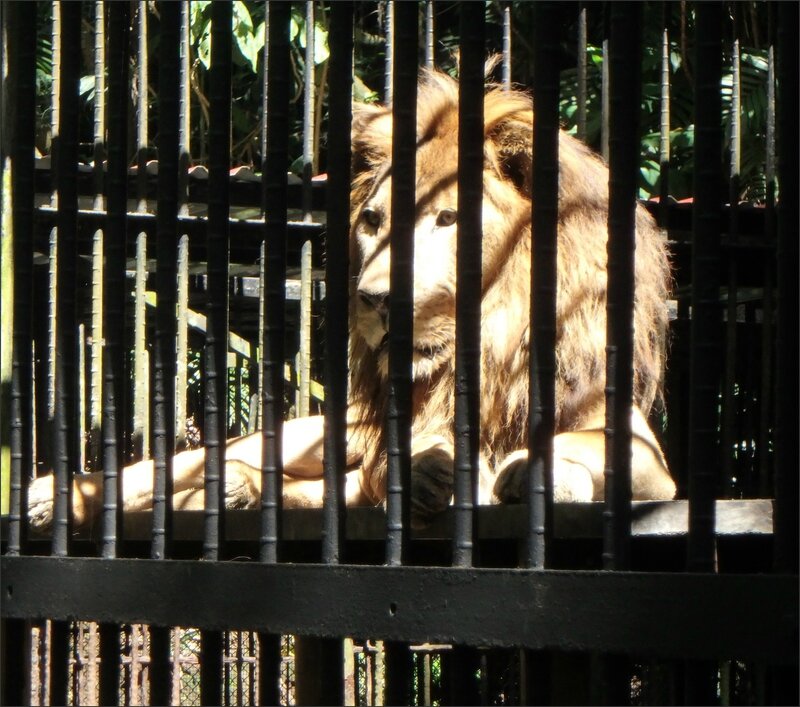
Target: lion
[{"x": 578, "y": 445}]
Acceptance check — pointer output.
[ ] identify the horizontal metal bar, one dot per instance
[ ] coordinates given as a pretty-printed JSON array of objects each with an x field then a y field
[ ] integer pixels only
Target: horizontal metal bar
[
  {"x": 673, "y": 615},
  {"x": 572, "y": 521}
]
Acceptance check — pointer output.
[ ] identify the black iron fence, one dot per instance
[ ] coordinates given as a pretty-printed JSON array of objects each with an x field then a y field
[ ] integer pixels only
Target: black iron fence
[{"x": 156, "y": 303}]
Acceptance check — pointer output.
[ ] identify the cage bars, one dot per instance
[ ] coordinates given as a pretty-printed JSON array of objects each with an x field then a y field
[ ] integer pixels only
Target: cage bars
[{"x": 466, "y": 433}]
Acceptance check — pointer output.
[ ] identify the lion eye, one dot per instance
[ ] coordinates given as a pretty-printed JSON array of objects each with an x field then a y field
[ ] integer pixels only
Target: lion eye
[
  {"x": 372, "y": 217},
  {"x": 446, "y": 217}
]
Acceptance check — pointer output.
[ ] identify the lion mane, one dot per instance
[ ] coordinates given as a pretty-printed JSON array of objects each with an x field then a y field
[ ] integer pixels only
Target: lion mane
[{"x": 505, "y": 302}]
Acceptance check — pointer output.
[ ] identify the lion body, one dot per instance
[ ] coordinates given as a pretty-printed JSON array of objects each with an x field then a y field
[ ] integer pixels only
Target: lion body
[{"x": 579, "y": 459}]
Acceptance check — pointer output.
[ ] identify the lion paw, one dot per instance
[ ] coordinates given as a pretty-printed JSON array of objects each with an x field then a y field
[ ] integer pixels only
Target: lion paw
[
  {"x": 40, "y": 503},
  {"x": 239, "y": 490},
  {"x": 431, "y": 478},
  {"x": 572, "y": 481}
]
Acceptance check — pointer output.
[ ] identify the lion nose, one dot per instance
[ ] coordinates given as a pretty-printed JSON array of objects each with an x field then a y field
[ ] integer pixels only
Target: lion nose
[{"x": 379, "y": 301}]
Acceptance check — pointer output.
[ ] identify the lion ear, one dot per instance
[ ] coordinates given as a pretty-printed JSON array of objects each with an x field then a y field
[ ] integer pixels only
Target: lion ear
[
  {"x": 512, "y": 143},
  {"x": 371, "y": 137}
]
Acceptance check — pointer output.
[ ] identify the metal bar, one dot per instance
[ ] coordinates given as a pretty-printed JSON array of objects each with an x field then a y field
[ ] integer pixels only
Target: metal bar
[
  {"x": 337, "y": 280},
  {"x": 308, "y": 112},
  {"x": 388, "y": 70},
  {"x": 23, "y": 55},
  {"x": 304, "y": 352},
  {"x": 604, "y": 94},
  {"x": 164, "y": 364},
  {"x": 582, "y": 73},
  {"x": 544, "y": 224},
  {"x": 624, "y": 97},
  {"x": 113, "y": 411},
  {"x": 274, "y": 185},
  {"x": 95, "y": 343},
  {"x": 215, "y": 370},
  {"x": 507, "y": 46},
  {"x": 401, "y": 300},
  {"x": 664, "y": 141},
  {"x": 430, "y": 36},
  {"x": 786, "y": 482},
  {"x": 706, "y": 318},
  {"x": 705, "y": 324},
  {"x": 645, "y": 613},
  {"x": 215, "y": 355},
  {"x": 468, "y": 272}
]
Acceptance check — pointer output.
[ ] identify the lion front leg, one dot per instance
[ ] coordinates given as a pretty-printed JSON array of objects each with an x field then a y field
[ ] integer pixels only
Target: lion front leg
[{"x": 579, "y": 466}]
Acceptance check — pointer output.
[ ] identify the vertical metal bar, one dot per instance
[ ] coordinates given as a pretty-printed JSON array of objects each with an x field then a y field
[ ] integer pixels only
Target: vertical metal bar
[
  {"x": 604, "y": 95},
  {"x": 308, "y": 111},
  {"x": 624, "y": 93},
  {"x": 271, "y": 314},
  {"x": 113, "y": 360},
  {"x": 506, "y": 46},
  {"x": 65, "y": 442},
  {"x": 388, "y": 70},
  {"x": 401, "y": 301},
  {"x": 163, "y": 412},
  {"x": 337, "y": 279},
  {"x": 770, "y": 233},
  {"x": 274, "y": 175},
  {"x": 705, "y": 325},
  {"x": 468, "y": 272},
  {"x": 543, "y": 287},
  {"x": 729, "y": 470},
  {"x": 20, "y": 25},
  {"x": 706, "y": 318},
  {"x": 96, "y": 368},
  {"x": 786, "y": 522},
  {"x": 430, "y": 36},
  {"x": 141, "y": 375},
  {"x": 582, "y": 73},
  {"x": 23, "y": 55},
  {"x": 664, "y": 141},
  {"x": 215, "y": 368},
  {"x": 304, "y": 353},
  {"x": 184, "y": 160}
]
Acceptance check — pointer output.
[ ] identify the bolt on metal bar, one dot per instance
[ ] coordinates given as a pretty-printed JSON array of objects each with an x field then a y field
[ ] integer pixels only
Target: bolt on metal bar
[
  {"x": 23, "y": 55},
  {"x": 705, "y": 324},
  {"x": 401, "y": 300},
  {"x": 275, "y": 189},
  {"x": 468, "y": 272},
  {"x": 544, "y": 250},
  {"x": 337, "y": 280},
  {"x": 624, "y": 98},
  {"x": 786, "y": 482},
  {"x": 309, "y": 91}
]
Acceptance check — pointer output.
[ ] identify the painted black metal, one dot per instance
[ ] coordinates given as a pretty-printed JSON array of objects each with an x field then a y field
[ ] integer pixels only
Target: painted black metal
[
  {"x": 65, "y": 441},
  {"x": 786, "y": 481},
  {"x": 274, "y": 184},
  {"x": 544, "y": 225},
  {"x": 706, "y": 313},
  {"x": 398, "y": 415},
  {"x": 337, "y": 279},
  {"x": 22, "y": 57},
  {"x": 466, "y": 433},
  {"x": 215, "y": 368},
  {"x": 624, "y": 95},
  {"x": 114, "y": 245},
  {"x": 164, "y": 363},
  {"x": 680, "y": 615}
]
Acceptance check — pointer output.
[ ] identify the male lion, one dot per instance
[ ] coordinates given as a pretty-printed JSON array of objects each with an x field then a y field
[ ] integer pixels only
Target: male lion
[{"x": 581, "y": 329}]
